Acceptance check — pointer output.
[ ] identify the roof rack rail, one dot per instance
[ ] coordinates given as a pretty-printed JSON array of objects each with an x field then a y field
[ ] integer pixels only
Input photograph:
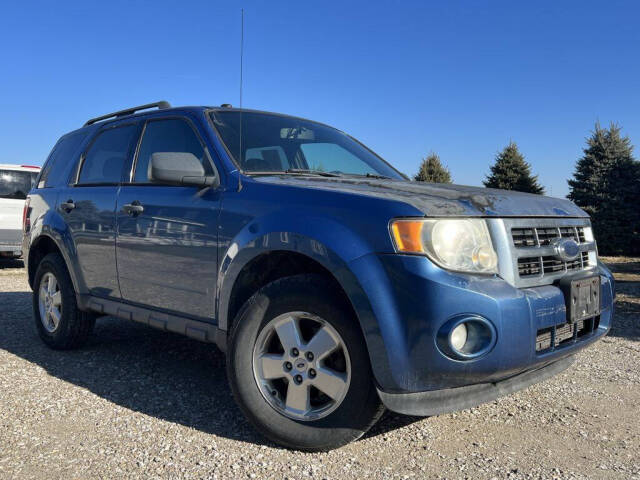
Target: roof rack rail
[{"x": 129, "y": 111}]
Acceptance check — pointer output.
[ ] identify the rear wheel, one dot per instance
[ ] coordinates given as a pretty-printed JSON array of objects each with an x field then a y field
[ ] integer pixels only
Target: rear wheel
[
  {"x": 299, "y": 367},
  {"x": 60, "y": 324}
]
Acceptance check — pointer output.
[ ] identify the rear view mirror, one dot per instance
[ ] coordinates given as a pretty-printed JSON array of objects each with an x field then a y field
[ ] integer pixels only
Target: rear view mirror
[
  {"x": 179, "y": 168},
  {"x": 297, "y": 133}
]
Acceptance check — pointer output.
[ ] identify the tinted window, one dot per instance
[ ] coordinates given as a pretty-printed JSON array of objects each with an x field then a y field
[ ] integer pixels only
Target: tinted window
[
  {"x": 104, "y": 161},
  {"x": 276, "y": 143},
  {"x": 15, "y": 184},
  {"x": 59, "y": 159},
  {"x": 171, "y": 135}
]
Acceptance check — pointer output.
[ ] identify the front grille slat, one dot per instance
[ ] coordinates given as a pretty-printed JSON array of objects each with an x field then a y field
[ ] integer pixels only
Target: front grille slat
[
  {"x": 574, "y": 264},
  {"x": 552, "y": 265},
  {"x": 569, "y": 232},
  {"x": 547, "y": 235},
  {"x": 529, "y": 266},
  {"x": 524, "y": 237},
  {"x": 584, "y": 256},
  {"x": 528, "y": 239}
]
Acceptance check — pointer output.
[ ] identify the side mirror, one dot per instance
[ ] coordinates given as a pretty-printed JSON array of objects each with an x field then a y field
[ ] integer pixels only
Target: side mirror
[{"x": 179, "y": 168}]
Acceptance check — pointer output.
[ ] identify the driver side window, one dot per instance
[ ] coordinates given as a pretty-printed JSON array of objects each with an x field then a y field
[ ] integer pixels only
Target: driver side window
[{"x": 169, "y": 135}]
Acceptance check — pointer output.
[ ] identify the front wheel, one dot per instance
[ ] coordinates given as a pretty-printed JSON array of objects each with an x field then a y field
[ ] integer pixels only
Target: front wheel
[{"x": 299, "y": 367}]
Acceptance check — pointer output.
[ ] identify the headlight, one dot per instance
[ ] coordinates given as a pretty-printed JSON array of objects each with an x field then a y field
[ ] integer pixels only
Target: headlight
[{"x": 457, "y": 244}]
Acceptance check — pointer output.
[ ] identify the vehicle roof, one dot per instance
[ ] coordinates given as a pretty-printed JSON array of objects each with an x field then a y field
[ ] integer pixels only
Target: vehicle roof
[
  {"x": 20, "y": 168},
  {"x": 182, "y": 109},
  {"x": 164, "y": 110}
]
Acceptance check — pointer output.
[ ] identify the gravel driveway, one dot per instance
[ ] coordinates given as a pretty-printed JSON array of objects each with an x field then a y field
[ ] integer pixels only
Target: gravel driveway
[{"x": 137, "y": 402}]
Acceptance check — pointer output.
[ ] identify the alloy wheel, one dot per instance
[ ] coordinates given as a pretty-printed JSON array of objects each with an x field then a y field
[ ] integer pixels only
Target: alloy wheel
[
  {"x": 302, "y": 366},
  {"x": 50, "y": 302}
]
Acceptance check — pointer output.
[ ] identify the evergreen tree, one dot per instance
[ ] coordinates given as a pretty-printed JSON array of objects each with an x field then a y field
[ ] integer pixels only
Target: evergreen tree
[
  {"x": 432, "y": 170},
  {"x": 511, "y": 172},
  {"x": 606, "y": 185}
]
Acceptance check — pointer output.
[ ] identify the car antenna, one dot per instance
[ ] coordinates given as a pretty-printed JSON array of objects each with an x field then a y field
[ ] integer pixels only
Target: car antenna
[{"x": 240, "y": 133}]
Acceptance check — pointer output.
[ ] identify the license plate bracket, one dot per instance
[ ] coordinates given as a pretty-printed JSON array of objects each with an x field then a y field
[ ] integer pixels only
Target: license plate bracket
[{"x": 582, "y": 297}]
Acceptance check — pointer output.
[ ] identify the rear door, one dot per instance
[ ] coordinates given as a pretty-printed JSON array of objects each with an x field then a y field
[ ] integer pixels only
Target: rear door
[
  {"x": 88, "y": 207},
  {"x": 167, "y": 252}
]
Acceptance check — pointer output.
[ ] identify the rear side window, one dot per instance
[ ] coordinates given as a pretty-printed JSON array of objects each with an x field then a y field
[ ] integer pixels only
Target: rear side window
[
  {"x": 107, "y": 155},
  {"x": 15, "y": 184},
  {"x": 59, "y": 159},
  {"x": 170, "y": 135}
]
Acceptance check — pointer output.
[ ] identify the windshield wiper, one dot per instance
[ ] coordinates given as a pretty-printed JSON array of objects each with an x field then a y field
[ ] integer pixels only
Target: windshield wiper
[
  {"x": 376, "y": 175},
  {"x": 305, "y": 171},
  {"x": 368, "y": 175}
]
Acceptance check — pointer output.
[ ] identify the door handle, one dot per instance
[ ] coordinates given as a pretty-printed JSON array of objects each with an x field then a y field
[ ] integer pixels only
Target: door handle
[
  {"x": 67, "y": 206},
  {"x": 134, "y": 208}
]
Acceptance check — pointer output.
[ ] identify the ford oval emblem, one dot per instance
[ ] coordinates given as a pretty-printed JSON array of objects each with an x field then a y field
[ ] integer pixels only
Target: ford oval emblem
[{"x": 567, "y": 249}]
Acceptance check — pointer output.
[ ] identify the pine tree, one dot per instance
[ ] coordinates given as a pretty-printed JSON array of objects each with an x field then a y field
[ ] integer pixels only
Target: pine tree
[
  {"x": 511, "y": 172},
  {"x": 606, "y": 185},
  {"x": 432, "y": 170}
]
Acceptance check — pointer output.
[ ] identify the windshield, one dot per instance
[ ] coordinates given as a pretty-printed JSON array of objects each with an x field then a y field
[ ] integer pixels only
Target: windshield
[
  {"x": 278, "y": 143},
  {"x": 15, "y": 184}
]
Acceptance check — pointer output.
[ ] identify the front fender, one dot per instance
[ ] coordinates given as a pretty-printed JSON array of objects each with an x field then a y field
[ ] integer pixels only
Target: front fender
[
  {"x": 328, "y": 243},
  {"x": 325, "y": 241}
]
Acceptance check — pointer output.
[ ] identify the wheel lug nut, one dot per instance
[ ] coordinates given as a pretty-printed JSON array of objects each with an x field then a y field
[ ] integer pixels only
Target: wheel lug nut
[
  {"x": 310, "y": 356},
  {"x": 295, "y": 352},
  {"x": 298, "y": 378},
  {"x": 312, "y": 373},
  {"x": 288, "y": 365}
]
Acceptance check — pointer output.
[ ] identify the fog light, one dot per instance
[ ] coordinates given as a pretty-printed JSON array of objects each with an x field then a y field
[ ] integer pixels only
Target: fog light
[
  {"x": 459, "y": 337},
  {"x": 466, "y": 337}
]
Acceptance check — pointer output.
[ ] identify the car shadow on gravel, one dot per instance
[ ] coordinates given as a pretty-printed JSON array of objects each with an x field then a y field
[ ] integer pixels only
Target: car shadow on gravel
[{"x": 163, "y": 375}]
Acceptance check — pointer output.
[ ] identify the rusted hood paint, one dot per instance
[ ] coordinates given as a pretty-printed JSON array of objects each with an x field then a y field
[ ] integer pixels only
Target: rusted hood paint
[{"x": 434, "y": 199}]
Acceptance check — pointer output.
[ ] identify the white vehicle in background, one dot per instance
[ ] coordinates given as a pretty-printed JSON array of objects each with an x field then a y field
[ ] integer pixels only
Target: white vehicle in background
[{"x": 15, "y": 183}]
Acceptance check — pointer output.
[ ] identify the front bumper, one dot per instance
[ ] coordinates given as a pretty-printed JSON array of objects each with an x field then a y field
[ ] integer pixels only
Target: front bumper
[
  {"x": 412, "y": 298},
  {"x": 437, "y": 402}
]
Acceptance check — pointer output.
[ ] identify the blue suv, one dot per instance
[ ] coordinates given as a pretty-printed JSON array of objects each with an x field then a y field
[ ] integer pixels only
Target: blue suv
[{"x": 335, "y": 286}]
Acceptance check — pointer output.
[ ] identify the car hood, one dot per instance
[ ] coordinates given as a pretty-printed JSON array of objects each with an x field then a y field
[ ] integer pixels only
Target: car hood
[{"x": 438, "y": 199}]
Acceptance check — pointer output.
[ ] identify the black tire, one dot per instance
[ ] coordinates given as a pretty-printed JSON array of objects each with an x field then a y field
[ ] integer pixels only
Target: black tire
[
  {"x": 74, "y": 326},
  {"x": 361, "y": 407}
]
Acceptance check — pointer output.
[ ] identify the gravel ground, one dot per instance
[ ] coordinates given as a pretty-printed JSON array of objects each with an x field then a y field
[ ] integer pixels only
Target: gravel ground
[{"x": 137, "y": 402}]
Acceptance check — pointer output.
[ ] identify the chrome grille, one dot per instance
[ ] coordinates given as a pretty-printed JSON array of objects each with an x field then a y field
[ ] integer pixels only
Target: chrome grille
[
  {"x": 531, "y": 266},
  {"x": 540, "y": 236},
  {"x": 527, "y": 253}
]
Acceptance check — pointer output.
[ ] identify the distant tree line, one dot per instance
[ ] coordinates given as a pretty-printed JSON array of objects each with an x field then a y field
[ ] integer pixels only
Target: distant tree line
[{"x": 606, "y": 184}]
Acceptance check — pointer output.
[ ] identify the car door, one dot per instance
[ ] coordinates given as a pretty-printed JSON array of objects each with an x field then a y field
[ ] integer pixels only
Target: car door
[
  {"x": 88, "y": 207},
  {"x": 167, "y": 234}
]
